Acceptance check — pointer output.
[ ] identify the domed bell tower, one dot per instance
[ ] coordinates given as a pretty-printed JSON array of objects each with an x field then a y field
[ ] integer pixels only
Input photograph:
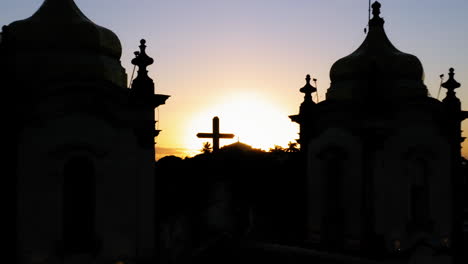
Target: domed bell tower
[
  {"x": 81, "y": 143},
  {"x": 383, "y": 158}
]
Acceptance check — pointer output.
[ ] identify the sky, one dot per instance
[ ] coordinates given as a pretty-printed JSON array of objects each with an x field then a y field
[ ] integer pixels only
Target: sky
[{"x": 245, "y": 60}]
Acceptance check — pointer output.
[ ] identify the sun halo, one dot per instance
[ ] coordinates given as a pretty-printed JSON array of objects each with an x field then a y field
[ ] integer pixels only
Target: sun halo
[{"x": 250, "y": 117}]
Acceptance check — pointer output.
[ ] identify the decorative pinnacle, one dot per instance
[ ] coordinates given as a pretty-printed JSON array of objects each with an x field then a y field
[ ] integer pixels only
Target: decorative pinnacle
[
  {"x": 308, "y": 89},
  {"x": 376, "y": 19},
  {"x": 376, "y": 9},
  {"x": 451, "y": 84},
  {"x": 142, "y": 60}
]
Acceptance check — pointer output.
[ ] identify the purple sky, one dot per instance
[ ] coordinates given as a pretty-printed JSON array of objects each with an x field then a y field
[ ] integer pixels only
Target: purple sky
[{"x": 207, "y": 51}]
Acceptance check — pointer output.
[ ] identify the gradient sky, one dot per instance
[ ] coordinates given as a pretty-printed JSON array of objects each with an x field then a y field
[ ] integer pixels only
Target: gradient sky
[{"x": 245, "y": 60}]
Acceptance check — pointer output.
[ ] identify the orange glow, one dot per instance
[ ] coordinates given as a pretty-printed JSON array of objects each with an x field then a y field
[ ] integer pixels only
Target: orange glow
[{"x": 249, "y": 116}]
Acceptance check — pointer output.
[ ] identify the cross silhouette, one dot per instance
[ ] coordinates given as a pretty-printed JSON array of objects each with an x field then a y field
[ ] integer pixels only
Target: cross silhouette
[{"x": 215, "y": 135}]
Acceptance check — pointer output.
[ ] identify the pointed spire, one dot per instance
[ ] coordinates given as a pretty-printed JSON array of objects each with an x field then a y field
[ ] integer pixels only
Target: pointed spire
[
  {"x": 142, "y": 60},
  {"x": 308, "y": 89}
]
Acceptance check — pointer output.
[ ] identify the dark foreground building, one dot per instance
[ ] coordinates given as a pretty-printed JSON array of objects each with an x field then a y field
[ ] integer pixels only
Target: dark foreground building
[
  {"x": 383, "y": 158},
  {"x": 80, "y": 143}
]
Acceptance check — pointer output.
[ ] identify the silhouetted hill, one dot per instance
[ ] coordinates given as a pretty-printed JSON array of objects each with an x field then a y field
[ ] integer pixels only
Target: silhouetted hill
[{"x": 238, "y": 191}]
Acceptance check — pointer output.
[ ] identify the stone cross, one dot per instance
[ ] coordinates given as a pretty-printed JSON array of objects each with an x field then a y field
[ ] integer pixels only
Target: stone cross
[{"x": 215, "y": 135}]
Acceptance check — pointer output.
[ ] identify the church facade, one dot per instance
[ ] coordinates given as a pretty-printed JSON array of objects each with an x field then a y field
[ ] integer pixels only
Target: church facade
[{"x": 82, "y": 143}]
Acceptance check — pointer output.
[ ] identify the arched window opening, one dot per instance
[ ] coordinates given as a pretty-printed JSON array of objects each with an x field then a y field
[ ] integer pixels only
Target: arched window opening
[
  {"x": 332, "y": 234},
  {"x": 79, "y": 206},
  {"x": 419, "y": 207}
]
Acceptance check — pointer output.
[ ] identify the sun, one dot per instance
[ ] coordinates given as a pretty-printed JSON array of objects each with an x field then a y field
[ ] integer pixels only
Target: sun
[{"x": 250, "y": 117}]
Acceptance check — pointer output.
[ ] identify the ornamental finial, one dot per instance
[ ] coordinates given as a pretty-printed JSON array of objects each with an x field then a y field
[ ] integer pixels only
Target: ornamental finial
[
  {"x": 376, "y": 9},
  {"x": 451, "y": 99},
  {"x": 142, "y": 60},
  {"x": 308, "y": 89},
  {"x": 451, "y": 84},
  {"x": 376, "y": 20}
]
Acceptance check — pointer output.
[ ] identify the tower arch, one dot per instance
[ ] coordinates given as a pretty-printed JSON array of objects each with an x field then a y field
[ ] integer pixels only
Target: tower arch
[
  {"x": 79, "y": 205},
  {"x": 333, "y": 181},
  {"x": 413, "y": 191}
]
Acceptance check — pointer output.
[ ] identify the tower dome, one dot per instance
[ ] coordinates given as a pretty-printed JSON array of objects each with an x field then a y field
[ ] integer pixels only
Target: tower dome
[
  {"x": 60, "y": 42},
  {"x": 376, "y": 69}
]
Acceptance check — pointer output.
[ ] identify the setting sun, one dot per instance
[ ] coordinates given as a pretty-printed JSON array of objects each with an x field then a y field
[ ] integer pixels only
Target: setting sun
[{"x": 249, "y": 116}]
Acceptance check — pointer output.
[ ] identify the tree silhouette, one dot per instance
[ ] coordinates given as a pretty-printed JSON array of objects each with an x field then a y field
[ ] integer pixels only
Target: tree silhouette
[
  {"x": 206, "y": 148},
  {"x": 292, "y": 147},
  {"x": 277, "y": 149}
]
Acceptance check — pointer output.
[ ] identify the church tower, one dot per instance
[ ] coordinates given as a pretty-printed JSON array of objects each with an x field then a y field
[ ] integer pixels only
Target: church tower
[
  {"x": 82, "y": 142},
  {"x": 383, "y": 158}
]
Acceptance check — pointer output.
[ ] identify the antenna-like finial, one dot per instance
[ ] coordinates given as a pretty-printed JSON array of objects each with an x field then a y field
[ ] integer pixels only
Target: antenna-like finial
[
  {"x": 369, "y": 10},
  {"x": 440, "y": 86},
  {"x": 368, "y": 18}
]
